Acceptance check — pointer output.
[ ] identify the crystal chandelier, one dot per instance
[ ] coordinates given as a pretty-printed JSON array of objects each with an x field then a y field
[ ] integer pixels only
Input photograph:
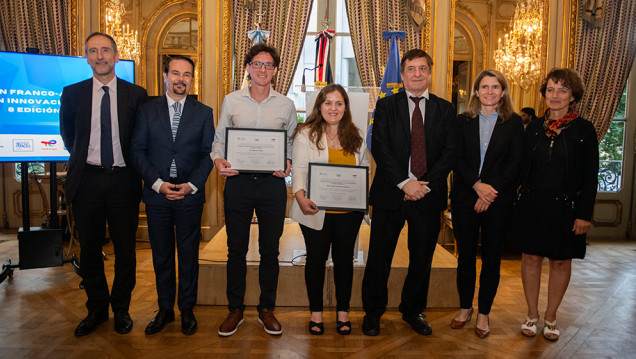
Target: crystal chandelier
[
  {"x": 518, "y": 56},
  {"x": 126, "y": 40}
]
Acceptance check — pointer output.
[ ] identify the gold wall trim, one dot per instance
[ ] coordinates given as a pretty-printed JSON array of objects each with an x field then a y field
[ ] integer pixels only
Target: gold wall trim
[
  {"x": 451, "y": 50},
  {"x": 73, "y": 21},
  {"x": 574, "y": 20},
  {"x": 199, "y": 67},
  {"x": 541, "y": 107},
  {"x": 426, "y": 30},
  {"x": 484, "y": 64},
  {"x": 145, "y": 32},
  {"x": 228, "y": 50}
]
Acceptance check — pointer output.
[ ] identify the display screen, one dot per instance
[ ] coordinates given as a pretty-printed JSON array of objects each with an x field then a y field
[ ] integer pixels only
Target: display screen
[{"x": 30, "y": 90}]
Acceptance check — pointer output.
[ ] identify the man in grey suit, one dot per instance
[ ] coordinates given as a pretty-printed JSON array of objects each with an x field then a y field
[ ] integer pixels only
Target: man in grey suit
[
  {"x": 97, "y": 118},
  {"x": 171, "y": 150}
]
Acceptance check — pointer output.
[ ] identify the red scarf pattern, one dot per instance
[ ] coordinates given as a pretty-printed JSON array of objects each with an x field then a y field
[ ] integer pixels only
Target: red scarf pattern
[{"x": 551, "y": 125}]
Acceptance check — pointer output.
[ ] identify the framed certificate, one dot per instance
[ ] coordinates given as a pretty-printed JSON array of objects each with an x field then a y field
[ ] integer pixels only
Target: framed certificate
[
  {"x": 256, "y": 150},
  {"x": 338, "y": 187}
]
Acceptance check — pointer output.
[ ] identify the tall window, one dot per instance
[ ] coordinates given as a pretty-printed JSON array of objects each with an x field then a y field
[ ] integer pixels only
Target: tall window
[
  {"x": 610, "y": 173},
  {"x": 342, "y": 58}
]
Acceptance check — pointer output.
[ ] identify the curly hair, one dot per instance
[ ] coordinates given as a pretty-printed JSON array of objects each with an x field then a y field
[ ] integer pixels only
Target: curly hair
[{"x": 568, "y": 78}]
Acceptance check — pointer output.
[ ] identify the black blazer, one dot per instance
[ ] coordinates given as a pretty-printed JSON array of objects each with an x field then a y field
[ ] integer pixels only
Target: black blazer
[
  {"x": 154, "y": 149},
  {"x": 501, "y": 163},
  {"x": 391, "y": 150},
  {"x": 581, "y": 148},
  {"x": 75, "y": 127}
]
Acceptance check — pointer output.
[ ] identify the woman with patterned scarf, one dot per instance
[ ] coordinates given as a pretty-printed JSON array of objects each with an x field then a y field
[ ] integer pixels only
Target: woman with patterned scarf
[{"x": 556, "y": 199}]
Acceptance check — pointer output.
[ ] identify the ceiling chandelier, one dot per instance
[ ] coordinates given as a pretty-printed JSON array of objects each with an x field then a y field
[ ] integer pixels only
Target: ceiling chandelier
[
  {"x": 519, "y": 55},
  {"x": 127, "y": 44}
]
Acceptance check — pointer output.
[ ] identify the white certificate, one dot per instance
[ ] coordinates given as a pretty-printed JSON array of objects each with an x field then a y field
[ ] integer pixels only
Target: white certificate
[
  {"x": 256, "y": 150},
  {"x": 339, "y": 187}
]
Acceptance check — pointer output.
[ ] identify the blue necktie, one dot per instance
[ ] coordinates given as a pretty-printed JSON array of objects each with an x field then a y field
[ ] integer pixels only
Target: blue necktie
[
  {"x": 175, "y": 126},
  {"x": 106, "y": 138}
]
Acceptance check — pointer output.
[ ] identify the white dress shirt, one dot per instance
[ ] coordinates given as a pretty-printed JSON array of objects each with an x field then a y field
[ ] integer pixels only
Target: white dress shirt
[
  {"x": 94, "y": 145},
  {"x": 411, "y": 110}
]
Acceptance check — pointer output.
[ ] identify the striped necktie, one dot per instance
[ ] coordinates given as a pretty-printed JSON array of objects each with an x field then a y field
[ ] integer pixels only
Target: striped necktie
[{"x": 175, "y": 126}]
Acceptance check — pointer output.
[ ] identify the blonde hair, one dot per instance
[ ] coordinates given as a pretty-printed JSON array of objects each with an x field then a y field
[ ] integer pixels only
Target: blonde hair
[{"x": 504, "y": 107}]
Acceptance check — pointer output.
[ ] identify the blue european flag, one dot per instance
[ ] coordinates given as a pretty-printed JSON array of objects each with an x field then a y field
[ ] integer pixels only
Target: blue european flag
[{"x": 391, "y": 80}]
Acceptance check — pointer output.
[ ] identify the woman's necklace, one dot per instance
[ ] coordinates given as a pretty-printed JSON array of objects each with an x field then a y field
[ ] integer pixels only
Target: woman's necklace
[{"x": 332, "y": 140}]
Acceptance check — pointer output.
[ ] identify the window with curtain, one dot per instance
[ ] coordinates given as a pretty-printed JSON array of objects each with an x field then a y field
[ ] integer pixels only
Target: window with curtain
[
  {"x": 610, "y": 173},
  {"x": 342, "y": 58}
]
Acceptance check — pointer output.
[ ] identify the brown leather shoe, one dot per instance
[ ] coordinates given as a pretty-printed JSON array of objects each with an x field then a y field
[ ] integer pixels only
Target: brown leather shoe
[
  {"x": 458, "y": 324},
  {"x": 270, "y": 324},
  {"x": 231, "y": 323},
  {"x": 482, "y": 333}
]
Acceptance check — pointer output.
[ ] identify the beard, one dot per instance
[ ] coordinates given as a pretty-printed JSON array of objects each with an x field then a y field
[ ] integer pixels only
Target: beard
[{"x": 177, "y": 90}]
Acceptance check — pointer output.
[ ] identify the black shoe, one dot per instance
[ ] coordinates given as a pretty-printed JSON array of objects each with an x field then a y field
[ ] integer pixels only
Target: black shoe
[
  {"x": 371, "y": 325},
  {"x": 90, "y": 323},
  {"x": 418, "y": 323},
  {"x": 162, "y": 318},
  {"x": 340, "y": 325},
  {"x": 188, "y": 322},
  {"x": 123, "y": 322},
  {"x": 320, "y": 326}
]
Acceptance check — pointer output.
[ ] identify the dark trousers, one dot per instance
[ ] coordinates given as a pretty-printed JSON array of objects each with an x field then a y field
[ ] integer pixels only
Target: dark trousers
[
  {"x": 466, "y": 224},
  {"x": 244, "y": 194},
  {"x": 386, "y": 225},
  {"x": 107, "y": 197},
  {"x": 339, "y": 232},
  {"x": 166, "y": 222}
]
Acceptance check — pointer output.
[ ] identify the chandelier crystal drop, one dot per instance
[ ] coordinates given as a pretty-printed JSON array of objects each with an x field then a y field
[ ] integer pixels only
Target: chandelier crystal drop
[
  {"x": 519, "y": 55},
  {"x": 127, "y": 44}
]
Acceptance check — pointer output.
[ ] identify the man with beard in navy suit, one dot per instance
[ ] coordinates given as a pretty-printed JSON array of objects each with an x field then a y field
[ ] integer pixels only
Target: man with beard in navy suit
[{"x": 171, "y": 149}]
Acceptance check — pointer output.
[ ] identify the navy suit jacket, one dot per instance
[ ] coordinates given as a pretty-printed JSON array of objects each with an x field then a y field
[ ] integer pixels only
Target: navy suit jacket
[
  {"x": 501, "y": 163},
  {"x": 391, "y": 150},
  {"x": 75, "y": 127},
  {"x": 154, "y": 148}
]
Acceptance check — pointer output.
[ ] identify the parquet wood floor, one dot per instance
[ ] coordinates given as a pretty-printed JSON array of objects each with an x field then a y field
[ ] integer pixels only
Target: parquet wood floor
[{"x": 39, "y": 309}]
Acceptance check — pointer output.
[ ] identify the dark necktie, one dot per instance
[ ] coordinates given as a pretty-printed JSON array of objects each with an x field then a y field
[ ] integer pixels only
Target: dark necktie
[
  {"x": 106, "y": 132},
  {"x": 418, "y": 141}
]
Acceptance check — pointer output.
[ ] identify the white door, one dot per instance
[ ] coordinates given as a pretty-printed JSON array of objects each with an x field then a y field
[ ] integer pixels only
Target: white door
[{"x": 613, "y": 208}]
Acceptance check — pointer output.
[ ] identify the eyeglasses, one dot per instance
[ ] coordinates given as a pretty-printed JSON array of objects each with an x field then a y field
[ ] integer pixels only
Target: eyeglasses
[{"x": 258, "y": 65}]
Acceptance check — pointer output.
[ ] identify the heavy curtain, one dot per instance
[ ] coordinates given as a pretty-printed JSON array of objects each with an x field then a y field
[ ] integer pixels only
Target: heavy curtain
[
  {"x": 35, "y": 23},
  {"x": 367, "y": 20},
  {"x": 604, "y": 57},
  {"x": 287, "y": 21}
]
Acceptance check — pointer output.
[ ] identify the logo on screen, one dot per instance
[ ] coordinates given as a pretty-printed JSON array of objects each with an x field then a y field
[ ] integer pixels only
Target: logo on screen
[
  {"x": 50, "y": 143},
  {"x": 22, "y": 145}
]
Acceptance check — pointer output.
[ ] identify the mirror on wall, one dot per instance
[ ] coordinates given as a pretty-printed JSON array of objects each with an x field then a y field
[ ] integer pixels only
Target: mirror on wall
[
  {"x": 180, "y": 39},
  {"x": 462, "y": 66}
]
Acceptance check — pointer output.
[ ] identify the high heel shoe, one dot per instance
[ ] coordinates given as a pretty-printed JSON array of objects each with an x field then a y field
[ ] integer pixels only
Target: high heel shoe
[
  {"x": 458, "y": 324},
  {"x": 340, "y": 325},
  {"x": 482, "y": 333},
  {"x": 313, "y": 325}
]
